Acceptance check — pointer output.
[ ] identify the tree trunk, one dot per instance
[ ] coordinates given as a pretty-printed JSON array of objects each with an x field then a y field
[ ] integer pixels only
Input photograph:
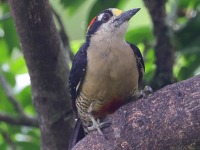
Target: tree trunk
[
  {"x": 169, "y": 119},
  {"x": 48, "y": 70}
]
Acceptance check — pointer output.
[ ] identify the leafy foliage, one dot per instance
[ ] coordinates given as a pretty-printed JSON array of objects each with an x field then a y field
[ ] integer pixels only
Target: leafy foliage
[
  {"x": 188, "y": 39},
  {"x": 71, "y": 5}
]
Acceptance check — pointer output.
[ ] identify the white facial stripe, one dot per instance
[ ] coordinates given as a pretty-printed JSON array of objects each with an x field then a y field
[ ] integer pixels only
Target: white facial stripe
[{"x": 100, "y": 17}]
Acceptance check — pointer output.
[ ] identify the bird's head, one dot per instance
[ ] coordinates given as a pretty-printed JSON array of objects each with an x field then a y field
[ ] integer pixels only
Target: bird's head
[{"x": 111, "y": 24}]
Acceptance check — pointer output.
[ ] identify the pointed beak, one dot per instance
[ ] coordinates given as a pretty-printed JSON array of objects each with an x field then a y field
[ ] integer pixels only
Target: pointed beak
[{"x": 125, "y": 16}]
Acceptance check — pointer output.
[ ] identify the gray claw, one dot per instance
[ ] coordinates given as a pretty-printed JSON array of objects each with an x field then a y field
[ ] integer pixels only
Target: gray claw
[
  {"x": 97, "y": 125},
  {"x": 146, "y": 91}
]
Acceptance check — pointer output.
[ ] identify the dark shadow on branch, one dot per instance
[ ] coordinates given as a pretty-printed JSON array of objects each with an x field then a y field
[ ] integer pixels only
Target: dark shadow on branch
[{"x": 167, "y": 119}]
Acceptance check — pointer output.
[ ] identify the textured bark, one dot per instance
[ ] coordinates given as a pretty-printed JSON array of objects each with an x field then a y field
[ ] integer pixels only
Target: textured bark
[
  {"x": 48, "y": 69},
  {"x": 167, "y": 119},
  {"x": 163, "y": 49}
]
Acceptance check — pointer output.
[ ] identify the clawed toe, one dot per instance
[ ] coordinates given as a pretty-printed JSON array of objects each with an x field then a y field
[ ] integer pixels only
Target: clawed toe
[
  {"x": 104, "y": 124},
  {"x": 146, "y": 91},
  {"x": 97, "y": 125}
]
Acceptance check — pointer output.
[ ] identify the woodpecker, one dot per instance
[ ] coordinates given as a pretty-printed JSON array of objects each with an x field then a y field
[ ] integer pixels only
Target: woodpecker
[{"x": 106, "y": 71}]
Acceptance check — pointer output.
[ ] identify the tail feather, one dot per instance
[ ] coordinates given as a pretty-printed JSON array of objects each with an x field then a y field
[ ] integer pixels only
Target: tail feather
[{"x": 77, "y": 134}]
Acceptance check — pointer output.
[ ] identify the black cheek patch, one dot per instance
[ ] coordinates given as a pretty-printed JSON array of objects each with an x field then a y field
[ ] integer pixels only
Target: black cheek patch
[{"x": 94, "y": 27}]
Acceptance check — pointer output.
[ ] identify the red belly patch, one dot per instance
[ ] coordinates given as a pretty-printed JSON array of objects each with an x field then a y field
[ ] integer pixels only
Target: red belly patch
[{"x": 109, "y": 107}]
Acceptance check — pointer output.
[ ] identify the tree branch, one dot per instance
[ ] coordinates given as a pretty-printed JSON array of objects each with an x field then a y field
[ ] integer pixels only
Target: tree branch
[
  {"x": 167, "y": 119},
  {"x": 163, "y": 48},
  {"x": 48, "y": 70},
  {"x": 22, "y": 120},
  {"x": 10, "y": 95},
  {"x": 63, "y": 35}
]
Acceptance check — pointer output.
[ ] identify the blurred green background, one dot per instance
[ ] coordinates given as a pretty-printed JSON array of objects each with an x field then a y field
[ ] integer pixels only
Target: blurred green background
[{"x": 183, "y": 20}]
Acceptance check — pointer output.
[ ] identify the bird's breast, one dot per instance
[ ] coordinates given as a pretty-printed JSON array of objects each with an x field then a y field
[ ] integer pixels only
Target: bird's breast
[{"x": 111, "y": 76}]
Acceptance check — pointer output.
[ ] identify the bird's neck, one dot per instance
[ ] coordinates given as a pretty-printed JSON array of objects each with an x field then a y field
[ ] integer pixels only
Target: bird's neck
[{"x": 106, "y": 42}]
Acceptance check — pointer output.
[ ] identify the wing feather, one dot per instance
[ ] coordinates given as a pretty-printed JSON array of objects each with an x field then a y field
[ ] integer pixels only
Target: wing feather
[
  {"x": 77, "y": 73},
  {"x": 140, "y": 61}
]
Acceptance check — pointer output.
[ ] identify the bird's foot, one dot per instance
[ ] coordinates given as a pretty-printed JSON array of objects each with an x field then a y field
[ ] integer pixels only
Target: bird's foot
[
  {"x": 146, "y": 91},
  {"x": 96, "y": 124}
]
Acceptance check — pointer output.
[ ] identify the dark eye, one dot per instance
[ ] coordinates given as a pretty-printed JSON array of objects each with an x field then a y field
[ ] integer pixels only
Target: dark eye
[{"x": 106, "y": 17}]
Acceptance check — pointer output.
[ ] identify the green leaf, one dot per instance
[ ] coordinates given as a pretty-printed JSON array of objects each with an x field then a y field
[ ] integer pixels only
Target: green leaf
[
  {"x": 186, "y": 3},
  {"x": 189, "y": 35},
  {"x": 4, "y": 51},
  {"x": 72, "y": 5},
  {"x": 28, "y": 145},
  {"x": 25, "y": 96},
  {"x": 150, "y": 67},
  {"x": 189, "y": 63},
  {"x": 25, "y": 99},
  {"x": 188, "y": 47},
  {"x": 10, "y": 78},
  {"x": 3, "y": 144},
  {"x": 5, "y": 105},
  {"x": 75, "y": 45},
  {"x": 141, "y": 34},
  {"x": 10, "y": 36},
  {"x": 18, "y": 65}
]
